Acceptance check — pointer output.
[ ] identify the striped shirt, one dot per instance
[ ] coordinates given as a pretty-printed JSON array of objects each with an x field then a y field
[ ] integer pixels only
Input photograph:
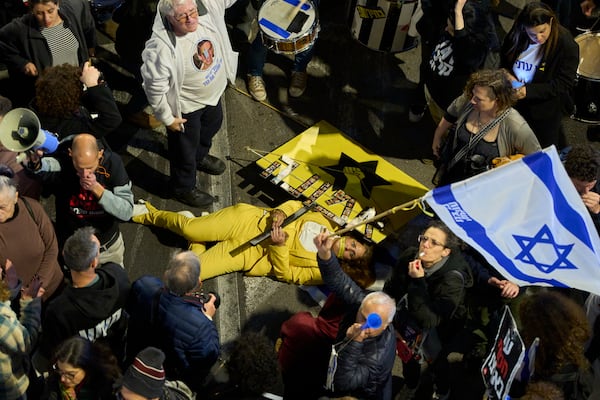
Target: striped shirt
[{"x": 63, "y": 45}]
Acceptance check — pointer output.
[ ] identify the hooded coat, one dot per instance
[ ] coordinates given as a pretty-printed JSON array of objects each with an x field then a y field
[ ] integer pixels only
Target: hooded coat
[{"x": 94, "y": 312}]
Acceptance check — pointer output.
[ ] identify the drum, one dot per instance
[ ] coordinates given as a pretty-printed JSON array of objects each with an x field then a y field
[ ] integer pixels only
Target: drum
[
  {"x": 283, "y": 30},
  {"x": 587, "y": 89},
  {"x": 383, "y": 25}
]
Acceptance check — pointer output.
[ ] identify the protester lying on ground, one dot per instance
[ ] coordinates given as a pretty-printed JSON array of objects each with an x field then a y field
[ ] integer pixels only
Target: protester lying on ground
[
  {"x": 288, "y": 255},
  {"x": 27, "y": 236},
  {"x": 485, "y": 127},
  {"x": 82, "y": 369}
]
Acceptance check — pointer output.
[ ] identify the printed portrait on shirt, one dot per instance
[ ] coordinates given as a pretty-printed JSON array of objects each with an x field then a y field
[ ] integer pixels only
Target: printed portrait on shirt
[{"x": 204, "y": 56}]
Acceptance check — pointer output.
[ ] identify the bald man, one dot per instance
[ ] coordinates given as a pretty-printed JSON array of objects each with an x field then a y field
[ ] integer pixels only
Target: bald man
[{"x": 91, "y": 188}]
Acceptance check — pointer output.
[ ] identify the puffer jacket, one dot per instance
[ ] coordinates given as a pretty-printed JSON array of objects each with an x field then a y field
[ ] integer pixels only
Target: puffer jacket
[
  {"x": 364, "y": 370},
  {"x": 187, "y": 336}
]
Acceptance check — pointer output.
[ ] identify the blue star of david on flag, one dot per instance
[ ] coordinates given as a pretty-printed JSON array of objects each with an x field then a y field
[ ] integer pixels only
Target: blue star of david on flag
[
  {"x": 536, "y": 231},
  {"x": 542, "y": 239}
]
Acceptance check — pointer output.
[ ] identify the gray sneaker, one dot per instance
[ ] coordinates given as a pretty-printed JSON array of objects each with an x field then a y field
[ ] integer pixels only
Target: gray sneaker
[{"x": 256, "y": 87}]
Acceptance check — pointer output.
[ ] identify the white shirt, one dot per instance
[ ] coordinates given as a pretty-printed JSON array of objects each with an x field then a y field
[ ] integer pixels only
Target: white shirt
[
  {"x": 527, "y": 63},
  {"x": 204, "y": 77}
]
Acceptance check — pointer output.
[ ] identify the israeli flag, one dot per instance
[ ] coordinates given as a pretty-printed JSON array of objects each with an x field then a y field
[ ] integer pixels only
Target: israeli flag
[{"x": 527, "y": 220}]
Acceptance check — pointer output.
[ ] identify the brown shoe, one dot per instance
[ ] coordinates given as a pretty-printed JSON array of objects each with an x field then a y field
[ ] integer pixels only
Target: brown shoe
[{"x": 144, "y": 120}]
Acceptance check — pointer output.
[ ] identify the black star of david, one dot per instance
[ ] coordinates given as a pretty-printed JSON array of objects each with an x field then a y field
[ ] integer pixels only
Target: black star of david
[
  {"x": 544, "y": 236},
  {"x": 364, "y": 171}
]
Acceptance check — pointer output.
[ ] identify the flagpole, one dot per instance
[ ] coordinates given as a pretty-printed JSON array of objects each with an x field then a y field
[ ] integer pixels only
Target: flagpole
[{"x": 377, "y": 217}]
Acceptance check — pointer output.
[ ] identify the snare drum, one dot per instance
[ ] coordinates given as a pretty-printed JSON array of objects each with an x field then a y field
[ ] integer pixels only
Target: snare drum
[
  {"x": 286, "y": 33},
  {"x": 383, "y": 25},
  {"x": 587, "y": 90}
]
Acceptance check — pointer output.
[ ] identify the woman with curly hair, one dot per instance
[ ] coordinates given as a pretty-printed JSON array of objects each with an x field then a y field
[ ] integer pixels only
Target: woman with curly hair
[
  {"x": 83, "y": 371},
  {"x": 562, "y": 327},
  {"x": 485, "y": 127},
  {"x": 543, "y": 58},
  {"x": 64, "y": 107}
]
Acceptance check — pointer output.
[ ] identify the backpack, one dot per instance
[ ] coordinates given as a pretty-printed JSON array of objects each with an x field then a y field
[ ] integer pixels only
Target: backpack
[{"x": 177, "y": 390}]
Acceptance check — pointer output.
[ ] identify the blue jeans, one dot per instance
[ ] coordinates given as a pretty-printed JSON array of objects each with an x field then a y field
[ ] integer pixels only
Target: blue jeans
[{"x": 258, "y": 55}]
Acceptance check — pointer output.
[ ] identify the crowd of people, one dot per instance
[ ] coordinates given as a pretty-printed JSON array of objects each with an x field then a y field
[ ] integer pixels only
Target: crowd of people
[{"x": 74, "y": 326}]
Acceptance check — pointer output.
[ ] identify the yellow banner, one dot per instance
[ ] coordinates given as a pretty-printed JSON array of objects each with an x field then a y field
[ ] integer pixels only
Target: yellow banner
[{"x": 322, "y": 165}]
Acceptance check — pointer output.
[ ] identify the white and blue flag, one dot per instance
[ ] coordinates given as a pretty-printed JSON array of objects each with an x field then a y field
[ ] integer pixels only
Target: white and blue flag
[{"x": 527, "y": 220}]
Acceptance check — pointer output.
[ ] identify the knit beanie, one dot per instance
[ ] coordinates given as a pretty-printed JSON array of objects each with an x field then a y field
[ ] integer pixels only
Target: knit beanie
[{"x": 146, "y": 376}]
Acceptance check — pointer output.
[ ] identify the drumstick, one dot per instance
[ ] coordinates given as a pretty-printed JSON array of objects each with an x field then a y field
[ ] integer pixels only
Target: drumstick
[{"x": 296, "y": 9}]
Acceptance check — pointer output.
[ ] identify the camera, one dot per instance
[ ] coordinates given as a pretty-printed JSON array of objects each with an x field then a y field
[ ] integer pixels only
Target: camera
[
  {"x": 205, "y": 298},
  {"x": 476, "y": 164}
]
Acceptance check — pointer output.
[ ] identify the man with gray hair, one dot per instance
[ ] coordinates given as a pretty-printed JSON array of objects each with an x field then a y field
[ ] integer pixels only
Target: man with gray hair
[
  {"x": 92, "y": 306},
  {"x": 175, "y": 316},
  {"x": 366, "y": 341},
  {"x": 186, "y": 65}
]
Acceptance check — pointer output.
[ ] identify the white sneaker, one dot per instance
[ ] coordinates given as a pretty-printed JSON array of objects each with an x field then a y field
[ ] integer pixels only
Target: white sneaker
[
  {"x": 139, "y": 209},
  {"x": 298, "y": 83},
  {"x": 186, "y": 213},
  {"x": 256, "y": 87}
]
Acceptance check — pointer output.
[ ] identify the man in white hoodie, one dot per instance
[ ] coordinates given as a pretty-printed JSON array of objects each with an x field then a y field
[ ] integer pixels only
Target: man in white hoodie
[{"x": 186, "y": 64}]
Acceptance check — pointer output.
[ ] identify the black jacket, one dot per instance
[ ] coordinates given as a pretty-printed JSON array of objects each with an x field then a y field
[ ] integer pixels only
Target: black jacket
[
  {"x": 97, "y": 99},
  {"x": 22, "y": 42},
  {"x": 76, "y": 207},
  {"x": 436, "y": 301},
  {"x": 452, "y": 61},
  {"x": 549, "y": 93}
]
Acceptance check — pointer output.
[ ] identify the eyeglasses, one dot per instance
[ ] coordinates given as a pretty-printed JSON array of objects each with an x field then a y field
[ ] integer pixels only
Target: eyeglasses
[
  {"x": 183, "y": 17},
  {"x": 70, "y": 376},
  {"x": 423, "y": 238}
]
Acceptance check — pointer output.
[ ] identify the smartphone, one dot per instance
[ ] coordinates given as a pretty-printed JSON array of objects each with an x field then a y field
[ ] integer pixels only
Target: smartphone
[{"x": 517, "y": 84}]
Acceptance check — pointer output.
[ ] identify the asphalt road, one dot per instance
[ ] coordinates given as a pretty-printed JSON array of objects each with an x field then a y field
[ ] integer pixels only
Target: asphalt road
[{"x": 363, "y": 92}]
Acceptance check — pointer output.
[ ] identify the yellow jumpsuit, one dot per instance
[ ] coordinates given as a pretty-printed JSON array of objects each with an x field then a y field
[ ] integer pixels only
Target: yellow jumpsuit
[{"x": 236, "y": 225}]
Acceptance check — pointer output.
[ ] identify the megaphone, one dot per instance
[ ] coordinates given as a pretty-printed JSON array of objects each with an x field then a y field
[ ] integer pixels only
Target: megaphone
[{"x": 20, "y": 130}]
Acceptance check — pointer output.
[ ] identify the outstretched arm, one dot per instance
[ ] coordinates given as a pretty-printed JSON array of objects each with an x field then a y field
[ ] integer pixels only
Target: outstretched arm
[{"x": 333, "y": 275}]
